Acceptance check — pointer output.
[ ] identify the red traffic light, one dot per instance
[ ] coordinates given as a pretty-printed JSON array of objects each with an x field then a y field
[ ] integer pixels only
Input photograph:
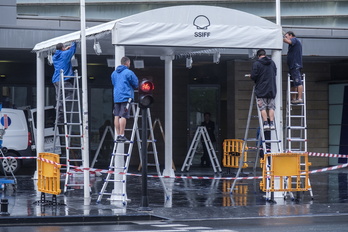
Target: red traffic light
[
  {"x": 146, "y": 86},
  {"x": 145, "y": 93}
]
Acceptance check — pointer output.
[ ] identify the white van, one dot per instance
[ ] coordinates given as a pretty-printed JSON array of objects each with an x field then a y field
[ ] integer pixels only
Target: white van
[{"x": 20, "y": 136}]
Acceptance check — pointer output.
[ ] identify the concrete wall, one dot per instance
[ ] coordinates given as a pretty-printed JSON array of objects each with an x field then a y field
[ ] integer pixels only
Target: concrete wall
[{"x": 8, "y": 12}]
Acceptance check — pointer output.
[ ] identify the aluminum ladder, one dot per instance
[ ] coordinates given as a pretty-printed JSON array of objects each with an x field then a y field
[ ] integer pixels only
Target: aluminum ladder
[
  {"x": 70, "y": 130},
  {"x": 119, "y": 174},
  {"x": 201, "y": 132},
  {"x": 296, "y": 123},
  {"x": 263, "y": 140}
]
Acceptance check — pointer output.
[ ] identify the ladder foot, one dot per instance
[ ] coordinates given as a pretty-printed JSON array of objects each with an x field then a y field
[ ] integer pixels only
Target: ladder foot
[{"x": 271, "y": 201}]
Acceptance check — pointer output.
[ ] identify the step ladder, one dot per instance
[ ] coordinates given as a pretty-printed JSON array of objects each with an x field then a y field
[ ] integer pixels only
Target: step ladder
[
  {"x": 154, "y": 125},
  {"x": 108, "y": 129},
  {"x": 296, "y": 123},
  {"x": 69, "y": 130},
  {"x": 119, "y": 174},
  {"x": 201, "y": 132},
  {"x": 264, "y": 139}
]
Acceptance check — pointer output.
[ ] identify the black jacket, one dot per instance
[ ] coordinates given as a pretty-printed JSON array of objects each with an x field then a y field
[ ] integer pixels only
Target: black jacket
[{"x": 264, "y": 74}]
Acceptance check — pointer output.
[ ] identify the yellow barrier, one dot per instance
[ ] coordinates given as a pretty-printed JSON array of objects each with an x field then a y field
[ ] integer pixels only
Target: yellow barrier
[
  {"x": 232, "y": 150},
  {"x": 290, "y": 169},
  {"x": 239, "y": 195},
  {"x": 49, "y": 173}
]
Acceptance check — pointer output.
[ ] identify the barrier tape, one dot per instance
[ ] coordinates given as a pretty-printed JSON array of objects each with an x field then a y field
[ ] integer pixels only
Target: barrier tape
[
  {"x": 318, "y": 154},
  {"x": 76, "y": 168},
  {"x": 18, "y": 157},
  {"x": 327, "y": 155},
  {"x": 79, "y": 169}
]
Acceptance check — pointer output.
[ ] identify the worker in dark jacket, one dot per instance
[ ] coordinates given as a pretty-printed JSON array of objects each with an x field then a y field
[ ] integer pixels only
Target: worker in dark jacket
[{"x": 264, "y": 73}]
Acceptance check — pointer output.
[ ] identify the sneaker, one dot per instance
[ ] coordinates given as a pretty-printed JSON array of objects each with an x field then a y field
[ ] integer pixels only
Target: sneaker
[
  {"x": 293, "y": 101},
  {"x": 271, "y": 126},
  {"x": 121, "y": 139},
  {"x": 265, "y": 126},
  {"x": 298, "y": 101}
]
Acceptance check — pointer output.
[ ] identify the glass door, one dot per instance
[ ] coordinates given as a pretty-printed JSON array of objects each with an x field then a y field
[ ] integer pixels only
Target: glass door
[{"x": 202, "y": 99}]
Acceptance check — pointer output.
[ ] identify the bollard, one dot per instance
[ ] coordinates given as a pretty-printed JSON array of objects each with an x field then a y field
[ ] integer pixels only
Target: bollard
[{"x": 4, "y": 208}]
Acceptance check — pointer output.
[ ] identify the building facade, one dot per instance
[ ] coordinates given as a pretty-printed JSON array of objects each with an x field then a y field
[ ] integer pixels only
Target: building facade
[{"x": 219, "y": 88}]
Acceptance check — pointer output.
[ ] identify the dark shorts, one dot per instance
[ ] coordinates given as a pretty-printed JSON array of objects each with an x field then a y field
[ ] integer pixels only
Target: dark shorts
[
  {"x": 266, "y": 103},
  {"x": 295, "y": 75},
  {"x": 120, "y": 109}
]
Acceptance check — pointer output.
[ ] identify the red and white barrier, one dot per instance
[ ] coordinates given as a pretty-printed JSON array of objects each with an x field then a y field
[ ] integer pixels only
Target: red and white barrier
[{"x": 76, "y": 168}]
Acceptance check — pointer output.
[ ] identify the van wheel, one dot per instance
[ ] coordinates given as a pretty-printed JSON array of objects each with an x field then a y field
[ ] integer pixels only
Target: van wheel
[{"x": 11, "y": 165}]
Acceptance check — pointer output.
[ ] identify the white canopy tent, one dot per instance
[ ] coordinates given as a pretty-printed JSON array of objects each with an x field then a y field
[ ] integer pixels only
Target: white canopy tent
[
  {"x": 181, "y": 29},
  {"x": 167, "y": 33}
]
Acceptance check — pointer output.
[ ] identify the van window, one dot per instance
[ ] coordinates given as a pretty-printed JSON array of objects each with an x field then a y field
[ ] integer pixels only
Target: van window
[{"x": 50, "y": 117}]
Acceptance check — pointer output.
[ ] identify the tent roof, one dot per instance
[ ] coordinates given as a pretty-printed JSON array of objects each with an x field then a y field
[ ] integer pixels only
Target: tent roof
[{"x": 180, "y": 30}]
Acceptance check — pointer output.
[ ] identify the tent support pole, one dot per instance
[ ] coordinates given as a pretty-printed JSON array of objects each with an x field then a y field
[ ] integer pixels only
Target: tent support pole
[
  {"x": 40, "y": 96},
  {"x": 119, "y": 189},
  {"x": 168, "y": 109},
  {"x": 85, "y": 151}
]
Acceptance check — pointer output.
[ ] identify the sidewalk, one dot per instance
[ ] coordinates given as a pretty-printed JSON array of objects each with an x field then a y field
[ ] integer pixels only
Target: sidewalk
[{"x": 185, "y": 199}]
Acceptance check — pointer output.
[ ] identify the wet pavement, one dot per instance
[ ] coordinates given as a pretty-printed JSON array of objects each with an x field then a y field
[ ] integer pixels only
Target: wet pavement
[{"x": 175, "y": 199}]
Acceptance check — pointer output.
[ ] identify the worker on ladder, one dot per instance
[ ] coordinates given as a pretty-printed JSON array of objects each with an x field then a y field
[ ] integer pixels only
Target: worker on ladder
[
  {"x": 62, "y": 61},
  {"x": 124, "y": 82},
  {"x": 294, "y": 60},
  {"x": 264, "y": 73}
]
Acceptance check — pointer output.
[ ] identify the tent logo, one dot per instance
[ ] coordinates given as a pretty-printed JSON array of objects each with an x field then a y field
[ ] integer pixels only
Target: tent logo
[{"x": 202, "y": 23}]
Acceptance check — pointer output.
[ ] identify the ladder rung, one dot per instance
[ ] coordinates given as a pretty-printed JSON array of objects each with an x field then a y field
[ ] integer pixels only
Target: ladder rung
[
  {"x": 74, "y": 136},
  {"x": 112, "y": 166},
  {"x": 112, "y": 194},
  {"x": 297, "y": 116},
  {"x": 74, "y": 160},
  {"x": 297, "y": 127},
  {"x": 71, "y": 100},
  {"x": 74, "y": 184},
  {"x": 74, "y": 148},
  {"x": 272, "y": 141},
  {"x": 73, "y": 123},
  {"x": 127, "y": 142},
  {"x": 297, "y": 140},
  {"x": 120, "y": 154},
  {"x": 71, "y": 76},
  {"x": 252, "y": 140},
  {"x": 149, "y": 141},
  {"x": 122, "y": 181}
]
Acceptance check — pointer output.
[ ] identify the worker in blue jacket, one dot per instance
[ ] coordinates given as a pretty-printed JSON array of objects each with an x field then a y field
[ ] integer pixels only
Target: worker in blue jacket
[
  {"x": 62, "y": 61},
  {"x": 124, "y": 82}
]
